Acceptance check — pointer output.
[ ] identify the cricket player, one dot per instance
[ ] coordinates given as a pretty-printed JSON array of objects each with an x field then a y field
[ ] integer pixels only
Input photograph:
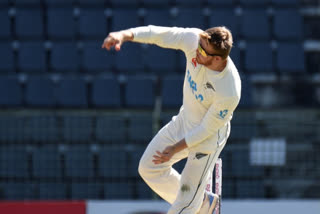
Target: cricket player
[{"x": 199, "y": 132}]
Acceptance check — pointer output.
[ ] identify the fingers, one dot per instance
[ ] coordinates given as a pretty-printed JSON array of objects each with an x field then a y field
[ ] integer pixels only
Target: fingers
[
  {"x": 160, "y": 158},
  {"x": 112, "y": 40}
]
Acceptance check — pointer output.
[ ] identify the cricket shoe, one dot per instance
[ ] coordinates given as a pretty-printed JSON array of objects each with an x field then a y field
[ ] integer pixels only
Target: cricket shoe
[{"x": 209, "y": 204}]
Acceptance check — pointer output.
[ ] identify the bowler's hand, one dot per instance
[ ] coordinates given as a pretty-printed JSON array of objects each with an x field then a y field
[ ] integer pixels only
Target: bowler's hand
[
  {"x": 164, "y": 156},
  {"x": 115, "y": 39}
]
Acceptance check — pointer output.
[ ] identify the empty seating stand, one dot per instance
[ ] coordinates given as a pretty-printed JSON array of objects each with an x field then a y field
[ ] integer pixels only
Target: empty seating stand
[
  {"x": 6, "y": 57},
  {"x": 77, "y": 128},
  {"x": 112, "y": 163},
  {"x": 259, "y": 57},
  {"x": 5, "y": 23},
  {"x": 32, "y": 57},
  {"x": 29, "y": 23},
  {"x": 40, "y": 92},
  {"x": 111, "y": 129},
  {"x": 10, "y": 92},
  {"x": 172, "y": 87},
  {"x": 64, "y": 57},
  {"x": 92, "y": 23}
]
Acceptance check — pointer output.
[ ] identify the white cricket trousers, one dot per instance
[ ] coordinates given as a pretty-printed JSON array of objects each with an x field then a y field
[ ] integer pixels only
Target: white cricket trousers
[{"x": 186, "y": 191}]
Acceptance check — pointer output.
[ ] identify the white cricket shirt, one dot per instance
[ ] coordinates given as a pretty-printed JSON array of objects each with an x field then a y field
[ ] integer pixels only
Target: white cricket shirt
[{"x": 209, "y": 97}]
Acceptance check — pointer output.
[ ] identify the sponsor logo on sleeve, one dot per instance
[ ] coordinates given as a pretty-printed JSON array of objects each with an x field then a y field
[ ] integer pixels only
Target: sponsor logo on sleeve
[{"x": 223, "y": 113}]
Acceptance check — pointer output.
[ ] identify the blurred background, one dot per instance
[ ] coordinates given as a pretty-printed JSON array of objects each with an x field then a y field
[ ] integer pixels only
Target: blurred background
[{"x": 75, "y": 119}]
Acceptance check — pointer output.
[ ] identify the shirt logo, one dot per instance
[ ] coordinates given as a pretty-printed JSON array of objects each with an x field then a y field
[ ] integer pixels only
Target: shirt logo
[
  {"x": 223, "y": 113},
  {"x": 194, "y": 62},
  {"x": 208, "y": 85},
  {"x": 193, "y": 86}
]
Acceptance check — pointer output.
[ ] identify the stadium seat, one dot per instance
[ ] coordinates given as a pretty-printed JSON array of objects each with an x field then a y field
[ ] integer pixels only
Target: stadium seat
[
  {"x": 190, "y": 17},
  {"x": 181, "y": 62},
  {"x": 160, "y": 60},
  {"x": 72, "y": 92},
  {"x": 42, "y": 129},
  {"x": 85, "y": 191},
  {"x": 258, "y": 57},
  {"x": 282, "y": 30},
  {"x": 247, "y": 188},
  {"x": 39, "y": 92},
  {"x": 290, "y": 57},
  {"x": 171, "y": 92},
  {"x": 10, "y": 92},
  {"x": 106, "y": 92},
  {"x": 92, "y": 3},
  {"x": 6, "y": 57},
  {"x": 225, "y": 3},
  {"x": 124, "y": 19},
  {"x": 60, "y": 3},
  {"x": 5, "y": 32},
  {"x": 157, "y": 3},
  {"x": 225, "y": 17},
  {"x": 13, "y": 162},
  {"x": 246, "y": 92},
  {"x": 32, "y": 3},
  {"x": 64, "y": 57},
  {"x": 130, "y": 58},
  {"x": 139, "y": 92},
  {"x": 285, "y": 3},
  {"x": 13, "y": 191},
  {"x": 32, "y": 57},
  {"x": 119, "y": 190},
  {"x": 255, "y": 24},
  {"x": 261, "y": 3},
  {"x": 12, "y": 129},
  {"x": 143, "y": 191},
  {"x": 111, "y": 129},
  {"x": 125, "y": 3},
  {"x": 158, "y": 17},
  {"x": 92, "y": 23},
  {"x": 95, "y": 58},
  {"x": 112, "y": 163},
  {"x": 236, "y": 56},
  {"x": 134, "y": 158},
  {"x": 29, "y": 23},
  {"x": 52, "y": 191},
  {"x": 46, "y": 162},
  {"x": 77, "y": 129},
  {"x": 61, "y": 23},
  {"x": 79, "y": 162},
  {"x": 188, "y": 3},
  {"x": 140, "y": 128}
]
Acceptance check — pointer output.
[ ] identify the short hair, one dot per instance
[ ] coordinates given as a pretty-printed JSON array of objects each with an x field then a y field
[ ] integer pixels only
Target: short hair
[{"x": 221, "y": 40}]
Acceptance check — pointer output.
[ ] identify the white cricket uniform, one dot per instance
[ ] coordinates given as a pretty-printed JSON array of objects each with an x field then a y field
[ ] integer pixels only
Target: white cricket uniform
[{"x": 209, "y": 99}]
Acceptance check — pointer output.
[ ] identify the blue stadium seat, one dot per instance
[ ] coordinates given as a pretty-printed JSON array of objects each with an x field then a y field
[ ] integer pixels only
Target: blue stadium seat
[
  {"x": 160, "y": 60},
  {"x": 12, "y": 129},
  {"x": 60, "y": 3},
  {"x": 283, "y": 30},
  {"x": 258, "y": 57},
  {"x": 225, "y": 3},
  {"x": 92, "y": 23},
  {"x": 32, "y": 57},
  {"x": 13, "y": 191},
  {"x": 4, "y": 2},
  {"x": 285, "y": 3},
  {"x": 248, "y": 188},
  {"x": 225, "y": 17},
  {"x": 235, "y": 56},
  {"x": 130, "y": 58},
  {"x": 158, "y": 17},
  {"x": 190, "y": 17},
  {"x": 255, "y": 3},
  {"x": 27, "y": 3},
  {"x": 124, "y": 19},
  {"x": 140, "y": 128},
  {"x": 119, "y": 190},
  {"x": 77, "y": 128},
  {"x": 85, "y": 191},
  {"x": 241, "y": 166},
  {"x": 188, "y": 3},
  {"x": 182, "y": 61},
  {"x": 156, "y": 3},
  {"x": 52, "y": 191},
  {"x": 5, "y": 32},
  {"x": 125, "y": 3},
  {"x": 79, "y": 162},
  {"x": 6, "y": 57},
  {"x": 106, "y": 92},
  {"x": 290, "y": 57},
  {"x": 64, "y": 57},
  {"x": 171, "y": 93},
  {"x": 39, "y": 92},
  {"x": 13, "y": 162},
  {"x": 61, "y": 23},
  {"x": 112, "y": 163},
  {"x": 139, "y": 91},
  {"x": 143, "y": 191},
  {"x": 96, "y": 3},
  {"x": 72, "y": 92},
  {"x": 95, "y": 58},
  {"x": 134, "y": 159},
  {"x": 111, "y": 129},
  {"x": 42, "y": 129},
  {"x": 255, "y": 24},
  {"x": 246, "y": 92},
  {"x": 29, "y": 23},
  {"x": 10, "y": 92},
  {"x": 46, "y": 162}
]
